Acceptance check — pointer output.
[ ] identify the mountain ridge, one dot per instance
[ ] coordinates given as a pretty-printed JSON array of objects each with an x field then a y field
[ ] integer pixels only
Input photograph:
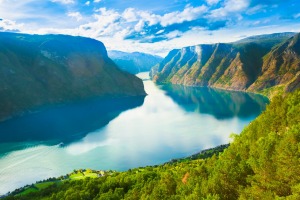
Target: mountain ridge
[
  {"x": 134, "y": 62},
  {"x": 51, "y": 69},
  {"x": 233, "y": 66}
]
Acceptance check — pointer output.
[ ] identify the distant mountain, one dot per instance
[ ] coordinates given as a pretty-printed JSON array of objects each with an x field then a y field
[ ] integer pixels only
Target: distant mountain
[
  {"x": 37, "y": 70},
  {"x": 253, "y": 64},
  {"x": 272, "y": 39},
  {"x": 134, "y": 62}
]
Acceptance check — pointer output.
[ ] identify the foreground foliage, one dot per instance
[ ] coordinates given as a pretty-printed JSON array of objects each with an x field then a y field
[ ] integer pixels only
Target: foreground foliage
[{"x": 261, "y": 163}]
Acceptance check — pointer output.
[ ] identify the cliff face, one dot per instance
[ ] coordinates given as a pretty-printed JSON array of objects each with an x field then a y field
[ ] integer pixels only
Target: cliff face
[
  {"x": 252, "y": 64},
  {"x": 37, "y": 70},
  {"x": 134, "y": 62},
  {"x": 281, "y": 67}
]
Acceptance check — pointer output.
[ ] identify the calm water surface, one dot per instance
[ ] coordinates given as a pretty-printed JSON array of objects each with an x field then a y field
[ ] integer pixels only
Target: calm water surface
[{"x": 171, "y": 122}]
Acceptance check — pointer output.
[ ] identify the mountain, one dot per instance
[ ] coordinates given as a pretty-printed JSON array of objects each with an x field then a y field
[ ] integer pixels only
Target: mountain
[
  {"x": 243, "y": 65},
  {"x": 281, "y": 67},
  {"x": 260, "y": 163},
  {"x": 38, "y": 70},
  {"x": 134, "y": 62},
  {"x": 271, "y": 39}
]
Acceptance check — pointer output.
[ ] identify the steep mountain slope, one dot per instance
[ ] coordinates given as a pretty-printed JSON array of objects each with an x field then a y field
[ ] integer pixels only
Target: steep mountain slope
[
  {"x": 261, "y": 163},
  {"x": 250, "y": 64},
  {"x": 37, "y": 70},
  {"x": 281, "y": 67},
  {"x": 134, "y": 62}
]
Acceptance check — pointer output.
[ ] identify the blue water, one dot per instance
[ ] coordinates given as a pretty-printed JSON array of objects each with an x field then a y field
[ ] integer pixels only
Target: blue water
[{"x": 170, "y": 122}]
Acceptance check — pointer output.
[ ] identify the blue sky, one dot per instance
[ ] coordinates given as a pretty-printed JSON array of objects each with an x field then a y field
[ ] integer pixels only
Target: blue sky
[{"x": 152, "y": 26}]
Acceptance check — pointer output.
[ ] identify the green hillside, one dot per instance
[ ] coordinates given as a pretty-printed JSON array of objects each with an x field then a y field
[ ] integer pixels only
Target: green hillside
[
  {"x": 261, "y": 163},
  {"x": 38, "y": 70},
  {"x": 268, "y": 64}
]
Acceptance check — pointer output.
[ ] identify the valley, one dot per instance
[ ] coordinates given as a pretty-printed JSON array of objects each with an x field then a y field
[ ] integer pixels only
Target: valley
[{"x": 207, "y": 121}]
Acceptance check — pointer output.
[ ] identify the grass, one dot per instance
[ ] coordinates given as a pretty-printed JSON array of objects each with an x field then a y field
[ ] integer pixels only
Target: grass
[
  {"x": 36, "y": 187},
  {"x": 27, "y": 191},
  {"x": 91, "y": 175},
  {"x": 43, "y": 185},
  {"x": 74, "y": 176},
  {"x": 79, "y": 175}
]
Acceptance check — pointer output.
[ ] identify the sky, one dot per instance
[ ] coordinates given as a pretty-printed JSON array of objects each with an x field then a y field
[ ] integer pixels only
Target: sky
[{"x": 151, "y": 26}]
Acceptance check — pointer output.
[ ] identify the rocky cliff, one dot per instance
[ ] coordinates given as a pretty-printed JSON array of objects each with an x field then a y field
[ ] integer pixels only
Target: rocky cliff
[
  {"x": 36, "y": 70},
  {"x": 266, "y": 63}
]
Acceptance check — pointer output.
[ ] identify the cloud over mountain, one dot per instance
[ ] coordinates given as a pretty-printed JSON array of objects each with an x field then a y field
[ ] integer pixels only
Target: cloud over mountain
[{"x": 139, "y": 24}]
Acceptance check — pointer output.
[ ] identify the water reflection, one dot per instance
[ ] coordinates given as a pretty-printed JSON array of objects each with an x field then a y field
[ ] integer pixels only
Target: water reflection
[
  {"x": 221, "y": 104},
  {"x": 66, "y": 123}
]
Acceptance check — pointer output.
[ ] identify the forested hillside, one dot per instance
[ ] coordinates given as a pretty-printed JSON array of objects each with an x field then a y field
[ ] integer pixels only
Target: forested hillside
[{"x": 261, "y": 163}]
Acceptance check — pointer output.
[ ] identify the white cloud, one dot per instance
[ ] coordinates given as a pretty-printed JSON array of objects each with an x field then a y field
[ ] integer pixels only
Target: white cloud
[
  {"x": 188, "y": 14},
  {"x": 75, "y": 15},
  {"x": 148, "y": 17},
  {"x": 230, "y": 6},
  {"x": 64, "y": 1},
  {"x": 212, "y": 2},
  {"x": 107, "y": 17},
  {"x": 139, "y": 26},
  {"x": 129, "y": 15},
  {"x": 159, "y": 32},
  {"x": 236, "y": 5},
  {"x": 97, "y": 1},
  {"x": 105, "y": 24},
  {"x": 111, "y": 27},
  {"x": 174, "y": 34},
  {"x": 111, "y": 23},
  {"x": 9, "y": 25},
  {"x": 87, "y": 3}
]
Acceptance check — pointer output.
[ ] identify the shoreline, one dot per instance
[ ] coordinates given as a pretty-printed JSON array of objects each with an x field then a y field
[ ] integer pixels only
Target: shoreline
[
  {"x": 219, "y": 88},
  {"x": 203, "y": 154}
]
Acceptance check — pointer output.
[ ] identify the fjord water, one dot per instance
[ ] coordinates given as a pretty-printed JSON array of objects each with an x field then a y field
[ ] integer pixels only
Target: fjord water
[{"x": 118, "y": 134}]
